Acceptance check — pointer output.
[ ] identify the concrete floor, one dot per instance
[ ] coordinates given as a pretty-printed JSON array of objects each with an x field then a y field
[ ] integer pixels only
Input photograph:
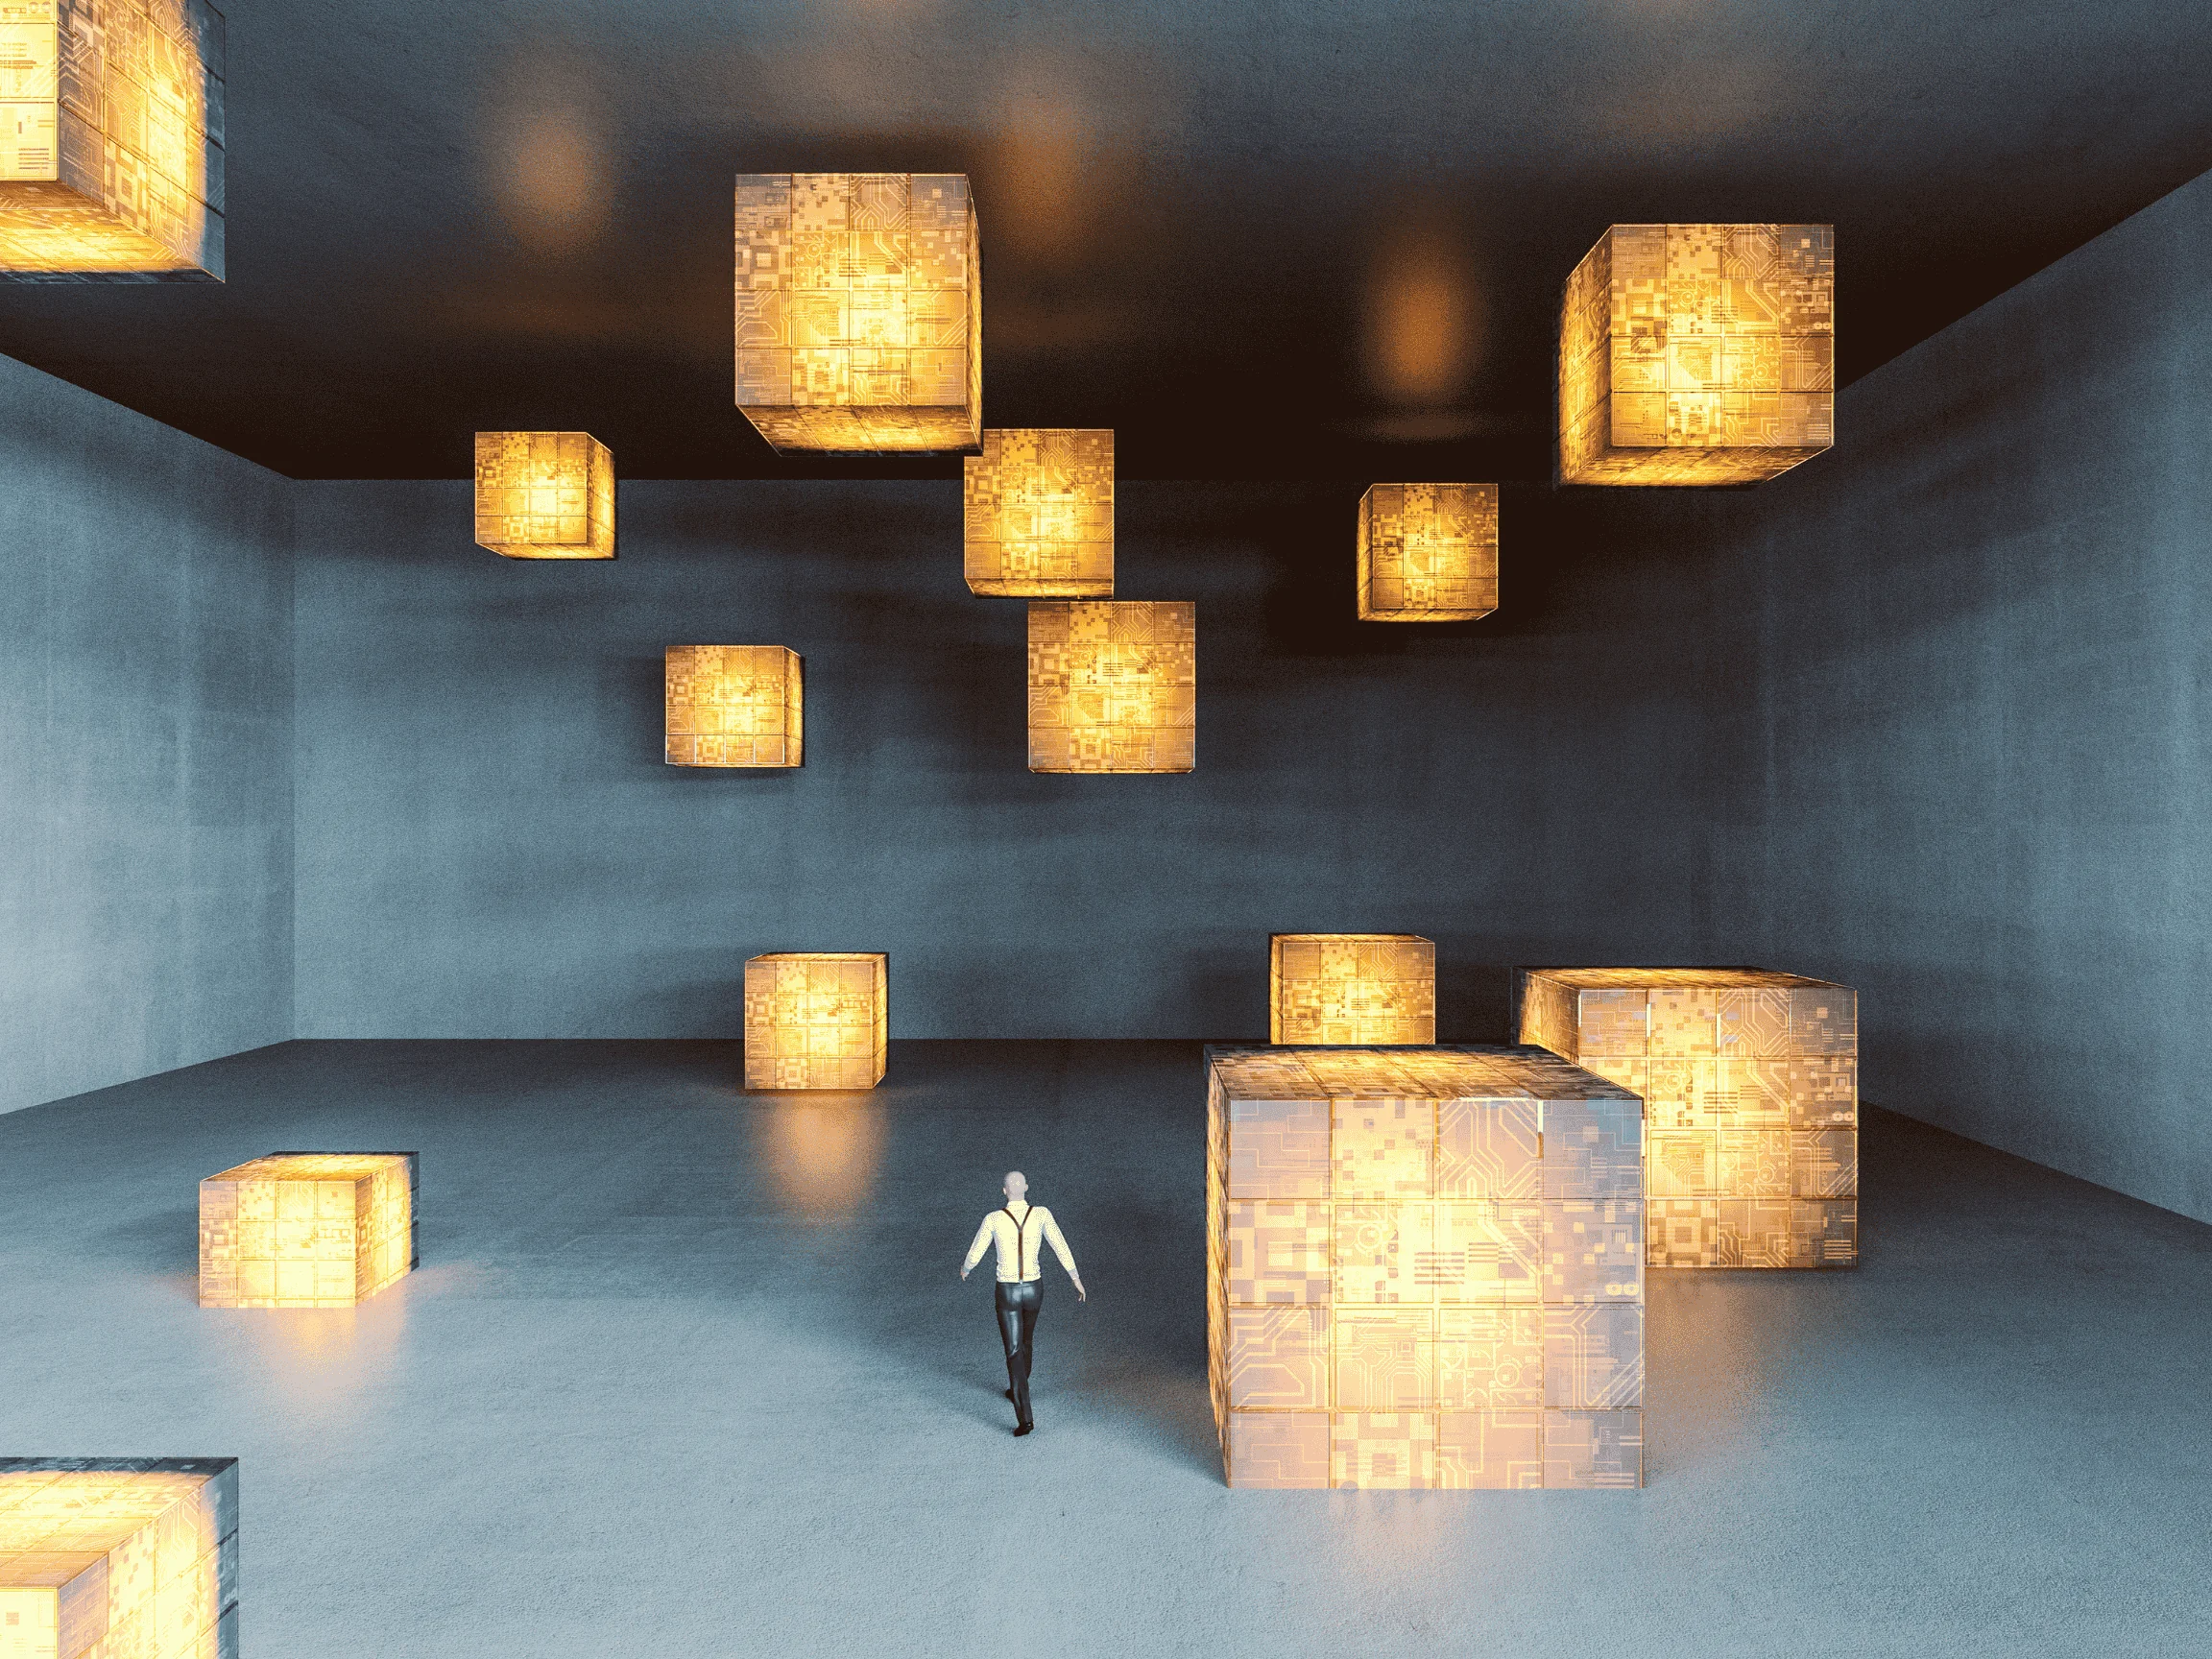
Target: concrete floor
[{"x": 688, "y": 1372}]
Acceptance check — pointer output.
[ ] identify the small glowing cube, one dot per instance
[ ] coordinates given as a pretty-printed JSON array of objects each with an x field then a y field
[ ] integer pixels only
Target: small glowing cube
[
  {"x": 1112, "y": 685},
  {"x": 1428, "y": 552},
  {"x": 1037, "y": 514},
  {"x": 544, "y": 495},
  {"x": 1365, "y": 989},
  {"x": 307, "y": 1228},
  {"x": 817, "y": 1020},
  {"x": 130, "y": 1555},
  {"x": 733, "y": 706}
]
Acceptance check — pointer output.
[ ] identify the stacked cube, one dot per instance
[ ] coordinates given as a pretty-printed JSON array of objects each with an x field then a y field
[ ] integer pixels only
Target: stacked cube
[
  {"x": 307, "y": 1228},
  {"x": 817, "y": 1020},
  {"x": 1424, "y": 1269},
  {"x": 103, "y": 1557},
  {"x": 1751, "y": 1081},
  {"x": 1362, "y": 989}
]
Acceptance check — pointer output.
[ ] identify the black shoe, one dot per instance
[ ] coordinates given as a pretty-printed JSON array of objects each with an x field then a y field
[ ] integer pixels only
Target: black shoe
[{"x": 1023, "y": 1429}]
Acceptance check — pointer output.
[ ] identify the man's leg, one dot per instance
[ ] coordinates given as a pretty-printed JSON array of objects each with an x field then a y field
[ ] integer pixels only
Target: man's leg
[
  {"x": 1032, "y": 1306},
  {"x": 1010, "y": 1334}
]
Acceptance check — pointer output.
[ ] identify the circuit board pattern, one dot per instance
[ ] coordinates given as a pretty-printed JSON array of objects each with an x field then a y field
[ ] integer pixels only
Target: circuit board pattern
[
  {"x": 859, "y": 312},
  {"x": 104, "y": 1557},
  {"x": 307, "y": 1228},
  {"x": 1112, "y": 685},
  {"x": 110, "y": 141},
  {"x": 817, "y": 1020},
  {"x": 1395, "y": 1297},
  {"x": 1751, "y": 1105},
  {"x": 1697, "y": 354},
  {"x": 733, "y": 706},
  {"x": 1428, "y": 552},
  {"x": 1037, "y": 514},
  {"x": 1362, "y": 989},
  {"x": 544, "y": 495}
]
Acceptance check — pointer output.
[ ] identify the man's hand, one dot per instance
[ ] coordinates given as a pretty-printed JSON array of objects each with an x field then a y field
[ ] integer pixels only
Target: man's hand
[
  {"x": 963, "y": 1273},
  {"x": 1079, "y": 1295}
]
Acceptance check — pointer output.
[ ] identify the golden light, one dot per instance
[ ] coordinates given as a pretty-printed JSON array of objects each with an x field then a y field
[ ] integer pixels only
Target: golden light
[
  {"x": 824, "y": 1153},
  {"x": 1751, "y": 1083},
  {"x": 307, "y": 1228},
  {"x": 1424, "y": 1270},
  {"x": 1112, "y": 685},
  {"x": 1037, "y": 509},
  {"x": 1420, "y": 318},
  {"x": 115, "y": 1555},
  {"x": 817, "y": 1020},
  {"x": 1697, "y": 354},
  {"x": 1356, "y": 988},
  {"x": 110, "y": 151},
  {"x": 544, "y": 495},
  {"x": 1428, "y": 552},
  {"x": 733, "y": 706},
  {"x": 859, "y": 312}
]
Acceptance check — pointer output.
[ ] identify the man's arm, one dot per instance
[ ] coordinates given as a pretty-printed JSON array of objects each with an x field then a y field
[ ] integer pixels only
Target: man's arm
[
  {"x": 981, "y": 1244},
  {"x": 1052, "y": 1237}
]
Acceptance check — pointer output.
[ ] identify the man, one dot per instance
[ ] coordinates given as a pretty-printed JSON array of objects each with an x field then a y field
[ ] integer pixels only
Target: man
[{"x": 1020, "y": 1231}]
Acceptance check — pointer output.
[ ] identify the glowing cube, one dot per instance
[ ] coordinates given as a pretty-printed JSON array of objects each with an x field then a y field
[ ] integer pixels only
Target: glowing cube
[
  {"x": 1113, "y": 686},
  {"x": 307, "y": 1228},
  {"x": 1424, "y": 1269},
  {"x": 544, "y": 495},
  {"x": 113, "y": 1556},
  {"x": 1697, "y": 354},
  {"x": 110, "y": 141},
  {"x": 1751, "y": 1084},
  {"x": 1038, "y": 515},
  {"x": 817, "y": 1020},
  {"x": 1357, "y": 988},
  {"x": 733, "y": 706},
  {"x": 859, "y": 312},
  {"x": 1428, "y": 552}
]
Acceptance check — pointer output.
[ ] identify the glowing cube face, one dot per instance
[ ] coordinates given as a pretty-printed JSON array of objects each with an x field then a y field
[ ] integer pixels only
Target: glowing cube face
[
  {"x": 1113, "y": 686},
  {"x": 859, "y": 312},
  {"x": 1038, "y": 515},
  {"x": 1697, "y": 354},
  {"x": 817, "y": 1020},
  {"x": 135, "y": 1555},
  {"x": 733, "y": 706},
  {"x": 110, "y": 141},
  {"x": 1424, "y": 1269},
  {"x": 1428, "y": 552},
  {"x": 1751, "y": 1084},
  {"x": 544, "y": 495},
  {"x": 1353, "y": 987},
  {"x": 307, "y": 1228}
]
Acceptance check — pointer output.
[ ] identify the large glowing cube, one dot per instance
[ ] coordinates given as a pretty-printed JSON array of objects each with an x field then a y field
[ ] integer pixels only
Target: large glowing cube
[
  {"x": 1751, "y": 1081},
  {"x": 105, "y": 1557},
  {"x": 1112, "y": 685},
  {"x": 1697, "y": 354},
  {"x": 1424, "y": 1270},
  {"x": 1353, "y": 987},
  {"x": 307, "y": 1228},
  {"x": 817, "y": 1020}
]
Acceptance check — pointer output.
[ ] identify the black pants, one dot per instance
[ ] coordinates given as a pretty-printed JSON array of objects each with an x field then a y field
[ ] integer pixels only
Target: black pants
[{"x": 1019, "y": 1305}]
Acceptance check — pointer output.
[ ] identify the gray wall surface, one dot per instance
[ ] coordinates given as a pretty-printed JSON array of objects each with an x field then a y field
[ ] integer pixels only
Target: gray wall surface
[
  {"x": 490, "y": 846},
  {"x": 145, "y": 746},
  {"x": 1973, "y": 661}
]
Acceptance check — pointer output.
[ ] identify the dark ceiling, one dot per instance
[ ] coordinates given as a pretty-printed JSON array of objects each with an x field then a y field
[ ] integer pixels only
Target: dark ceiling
[{"x": 1306, "y": 238}]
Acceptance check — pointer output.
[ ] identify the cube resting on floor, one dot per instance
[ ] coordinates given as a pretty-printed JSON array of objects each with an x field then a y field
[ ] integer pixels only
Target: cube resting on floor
[
  {"x": 1424, "y": 1270},
  {"x": 817, "y": 1020},
  {"x": 307, "y": 1228},
  {"x": 1751, "y": 1084},
  {"x": 106, "y": 1557}
]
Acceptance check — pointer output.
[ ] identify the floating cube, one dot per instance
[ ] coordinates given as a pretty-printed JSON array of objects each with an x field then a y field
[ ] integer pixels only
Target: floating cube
[
  {"x": 110, "y": 141},
  {"x": 1038, "y": 515},
  {"x": 1697, "y": 354},
  {"x": 1752, "y": 1088},
  {"x": 859, "y": 312},
  {"x": 544, "y": 495},
  {"x": 114, "y": 1556},
  {"x": 733, "y": 706},
  {"x": 817, "y": 1020},
  {"x": 1425, "y": 1269},
  {"x": 1428, "y": 552},
  {"x": 307, "y": 1228},
  {"x": 1113, "y": 686},
  {"x": 1362, "y": 989}
]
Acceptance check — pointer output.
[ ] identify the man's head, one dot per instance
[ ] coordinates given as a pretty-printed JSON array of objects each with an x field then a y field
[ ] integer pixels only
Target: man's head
[{"x": 1017, "y": 1186}]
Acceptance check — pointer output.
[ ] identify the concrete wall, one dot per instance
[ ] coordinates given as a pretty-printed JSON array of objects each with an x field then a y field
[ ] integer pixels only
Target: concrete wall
[
  {"x": 145, "y": 746},
  {"x": 490, "y": 846},
  {"x": 1975, "y": 694}
]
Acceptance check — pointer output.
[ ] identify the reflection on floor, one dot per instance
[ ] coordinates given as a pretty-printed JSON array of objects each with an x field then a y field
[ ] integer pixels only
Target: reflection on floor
[{"x": 687, "y": 1371}]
